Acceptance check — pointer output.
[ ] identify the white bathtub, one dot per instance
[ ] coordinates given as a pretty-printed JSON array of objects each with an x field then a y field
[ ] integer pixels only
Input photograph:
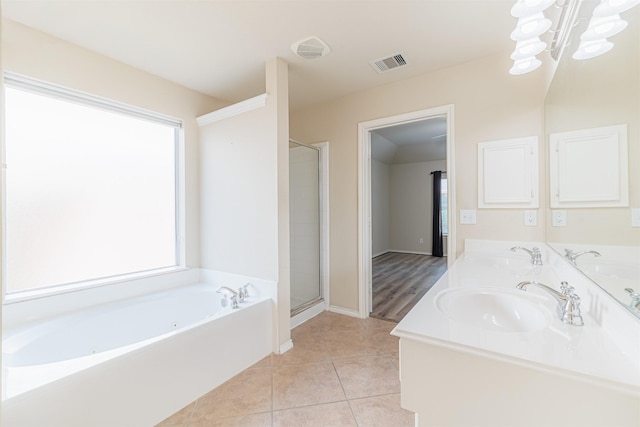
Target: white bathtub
[{"x": 133, "y": 362}]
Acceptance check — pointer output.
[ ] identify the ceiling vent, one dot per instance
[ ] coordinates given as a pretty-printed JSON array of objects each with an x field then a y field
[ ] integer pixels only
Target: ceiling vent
[
  {"x": 310, "y": 48},
  {"x": 392, "y": 62}
]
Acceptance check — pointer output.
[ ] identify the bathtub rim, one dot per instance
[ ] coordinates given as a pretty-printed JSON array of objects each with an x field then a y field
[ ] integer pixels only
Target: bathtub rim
[{"x": 24, "y": 335}]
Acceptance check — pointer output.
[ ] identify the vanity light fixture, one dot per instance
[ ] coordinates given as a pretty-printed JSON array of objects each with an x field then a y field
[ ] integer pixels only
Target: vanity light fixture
[{"x": 532, "y": 24}]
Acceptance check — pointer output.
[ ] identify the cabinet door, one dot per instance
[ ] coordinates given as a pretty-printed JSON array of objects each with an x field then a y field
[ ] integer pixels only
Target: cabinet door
[
  {"x": 588, "y": 168},
  {"x": 508, "y": 173}
]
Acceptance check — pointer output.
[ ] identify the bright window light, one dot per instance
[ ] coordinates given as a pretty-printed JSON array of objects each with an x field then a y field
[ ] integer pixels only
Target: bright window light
[{"x": 90, "y": 193}]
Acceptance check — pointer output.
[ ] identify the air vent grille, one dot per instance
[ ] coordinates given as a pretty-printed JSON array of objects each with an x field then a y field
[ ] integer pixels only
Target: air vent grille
[{"x": 389, "y": 63}]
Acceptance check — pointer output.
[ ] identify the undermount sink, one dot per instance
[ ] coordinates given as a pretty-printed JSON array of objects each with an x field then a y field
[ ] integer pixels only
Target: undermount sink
[{"x": 499, "y": 310}]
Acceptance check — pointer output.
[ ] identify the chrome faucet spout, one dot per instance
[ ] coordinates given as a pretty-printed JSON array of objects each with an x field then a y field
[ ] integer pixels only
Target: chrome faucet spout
[
  {"x": 225, "y": 289},
  {"x": 534, "y": 253},
  {"x": 560, "y": 298},
  {"x": 568, "y": 307},
  {"x": 571, "y": 255}
]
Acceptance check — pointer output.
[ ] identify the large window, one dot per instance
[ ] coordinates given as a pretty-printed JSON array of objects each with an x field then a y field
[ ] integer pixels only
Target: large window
[{"x": 91, "y": 188}]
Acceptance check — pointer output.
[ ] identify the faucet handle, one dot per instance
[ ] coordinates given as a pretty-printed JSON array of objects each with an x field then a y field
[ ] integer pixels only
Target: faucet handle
[
  {"x": 571, "y": 310},
  {"x": 566, "y": 289}
]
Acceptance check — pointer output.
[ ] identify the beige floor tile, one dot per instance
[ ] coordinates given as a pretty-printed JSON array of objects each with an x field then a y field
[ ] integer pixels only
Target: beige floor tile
[
  {"x": 306, "y": 349},
  {"x": 350, "y": 344},
  {"x": 368, "y": 376},
  {"x": 373, "y": 323},
  {"x": 332, "y": 322},
  {"x": 381, "y": 411},
  {"x": 247, "y": 393},
  {"x": 304, "y": 385},
  {"x": 251, "y": 420},
  {"x": 329, "y": 415},
  {"x": 264, "y": 363},
  {"x": 180, "y": 418},
  {"x": 381, "y": 340}
]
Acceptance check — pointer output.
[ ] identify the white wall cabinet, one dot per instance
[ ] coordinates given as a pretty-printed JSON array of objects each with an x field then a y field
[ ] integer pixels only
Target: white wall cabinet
[
  {"x": 508, "y": 173},
  {"x": 589, "y": 168}
]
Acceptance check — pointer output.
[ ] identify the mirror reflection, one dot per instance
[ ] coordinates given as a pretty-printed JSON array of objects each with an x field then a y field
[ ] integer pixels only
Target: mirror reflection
[{"x": 603, "y": 242}]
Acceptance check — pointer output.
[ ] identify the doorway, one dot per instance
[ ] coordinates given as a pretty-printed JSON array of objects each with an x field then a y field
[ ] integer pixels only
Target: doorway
[{"x": 409, "y": 242}]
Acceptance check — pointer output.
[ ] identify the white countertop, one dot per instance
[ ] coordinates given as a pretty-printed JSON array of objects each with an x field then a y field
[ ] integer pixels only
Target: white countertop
[{"x": 588, "y": 353}]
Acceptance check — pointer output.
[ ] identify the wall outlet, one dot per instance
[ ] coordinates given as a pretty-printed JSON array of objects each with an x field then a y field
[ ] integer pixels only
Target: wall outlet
[
  {"x": 467, "y": 216},
  {"x": 558, "y": 218},
  {"x": 530, "y": 218},
  {"x": 421, "y": 240}
]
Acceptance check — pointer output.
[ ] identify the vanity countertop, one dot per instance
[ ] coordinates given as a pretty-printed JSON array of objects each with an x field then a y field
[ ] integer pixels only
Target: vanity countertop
[{"x": 588, "y": 353}]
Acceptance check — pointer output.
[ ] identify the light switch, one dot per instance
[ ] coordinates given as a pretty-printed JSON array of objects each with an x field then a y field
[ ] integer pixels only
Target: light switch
[
  {"x": 530, "y": 218},
  {"x": 635, "y": 217},
  {"x": 467, "y": 216},
  {"x": 558, "y": 218}
]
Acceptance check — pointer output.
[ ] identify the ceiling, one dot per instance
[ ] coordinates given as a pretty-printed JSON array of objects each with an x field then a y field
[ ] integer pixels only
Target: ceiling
[
  {"x": 220, "y": 47},
  {"x": 413, "y": 142}
]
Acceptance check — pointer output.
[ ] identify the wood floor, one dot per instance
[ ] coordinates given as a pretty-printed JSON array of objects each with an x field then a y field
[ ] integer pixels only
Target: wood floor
[{"x": 400, "y": 280}]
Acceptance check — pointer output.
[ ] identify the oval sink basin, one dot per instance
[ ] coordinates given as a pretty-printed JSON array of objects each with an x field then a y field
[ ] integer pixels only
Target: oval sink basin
[{"x": 496, "y": 310}]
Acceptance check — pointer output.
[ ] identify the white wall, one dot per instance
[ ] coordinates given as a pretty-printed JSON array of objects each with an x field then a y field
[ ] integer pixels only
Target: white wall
[
  {"x": 489, "y": 105},
  {"x": 245, "y": 195},
  {"x": 412, "y": 204},
  {"x": 380, "y": 208}
]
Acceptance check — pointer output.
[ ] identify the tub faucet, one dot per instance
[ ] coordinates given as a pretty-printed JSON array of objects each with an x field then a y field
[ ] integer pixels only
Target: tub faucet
[
  {"x": 536, "y": 255},
  {"x": 568, "y": 307},
  {"x": 228, "y": 292},
  {"x": 243, "y": 292},
  {"x": 571, "y": 255},
  {"x": 635, "y": 299}
]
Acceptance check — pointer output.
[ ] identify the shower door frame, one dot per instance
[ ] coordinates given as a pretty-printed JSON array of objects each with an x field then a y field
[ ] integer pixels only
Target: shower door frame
[{"x": 317, "y": 305}]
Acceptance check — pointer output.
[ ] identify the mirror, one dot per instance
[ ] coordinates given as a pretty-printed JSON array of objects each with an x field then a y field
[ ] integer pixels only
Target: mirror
[{"x": 587, "y": 94}]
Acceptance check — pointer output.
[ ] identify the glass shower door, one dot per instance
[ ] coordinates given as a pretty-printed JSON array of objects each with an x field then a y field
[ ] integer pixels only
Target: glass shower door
[{"x": 304, "y": 197}]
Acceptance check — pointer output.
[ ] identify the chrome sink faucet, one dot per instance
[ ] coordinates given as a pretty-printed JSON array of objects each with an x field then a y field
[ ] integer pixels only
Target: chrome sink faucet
[
  {"x": 536, "y": 255},
  {"x": 635, "y": 299},
  {"x": 571, "y": 255},
  {"x": 568, "y": 307}
]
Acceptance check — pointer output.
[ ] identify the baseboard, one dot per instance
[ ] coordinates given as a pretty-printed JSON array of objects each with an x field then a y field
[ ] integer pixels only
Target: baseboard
[
  {"x": 309, "y": 313},
  {"x": 380, "y": 253},
  {"x": 410, "y": 252},
  {"x": 345, "y": 311},
  {"x": 285, "y": 346}
]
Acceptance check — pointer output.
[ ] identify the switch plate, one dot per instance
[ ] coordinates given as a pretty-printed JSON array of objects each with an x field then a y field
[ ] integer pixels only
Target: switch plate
[
  {"x": 530, "y": 218},
  {"x": 467, "y": 216},
  {"x": 558, "y": 218},
  {"x": 635, "y": 217}
]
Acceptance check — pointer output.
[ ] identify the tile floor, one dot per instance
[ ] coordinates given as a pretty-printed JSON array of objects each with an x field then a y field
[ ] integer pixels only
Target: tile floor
[{"x": 342, "y": 371}]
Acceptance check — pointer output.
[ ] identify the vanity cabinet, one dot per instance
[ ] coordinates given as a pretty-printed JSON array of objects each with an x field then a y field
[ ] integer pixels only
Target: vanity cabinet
[
  {"x": 478, "y": 350},
  {"x": 448, "y": 387}
]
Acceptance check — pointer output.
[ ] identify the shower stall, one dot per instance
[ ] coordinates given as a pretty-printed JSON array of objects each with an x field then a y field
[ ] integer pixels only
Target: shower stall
[{"x": 306, "y": 214}]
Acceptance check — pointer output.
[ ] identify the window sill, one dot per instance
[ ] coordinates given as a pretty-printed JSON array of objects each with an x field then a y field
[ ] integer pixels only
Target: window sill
[{"x": 90, "y": 284}]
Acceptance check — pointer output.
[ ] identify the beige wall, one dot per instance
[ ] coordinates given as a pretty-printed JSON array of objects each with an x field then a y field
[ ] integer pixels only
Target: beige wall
[
  {"x": 40, "y": 56},
  {"x": 412, "y": 205},
  {"x": 489, "y": 105},
  {"x": 380, "y": 208},
  {"x": 602, "y": 91}
]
